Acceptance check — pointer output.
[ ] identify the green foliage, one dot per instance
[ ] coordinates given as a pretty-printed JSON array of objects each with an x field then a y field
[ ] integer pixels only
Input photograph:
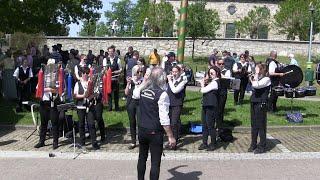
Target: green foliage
[
  {"x": 293, "y": 18},
  {"x": 88, "y": 28},
  {"x": 138, "y": 14},
  {"x": 122, "y": 12},
  {"x": 161, "y": 18},
  {"x": 19, "y": 40},
  {"x": 258, "y": 18},
  {"x": 50, "y": 17},
  {"x": 102, "y": 30},
  {"x": 201, "y": 22}
]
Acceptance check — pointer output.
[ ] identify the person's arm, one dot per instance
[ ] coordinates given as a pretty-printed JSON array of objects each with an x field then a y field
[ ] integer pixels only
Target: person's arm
[
  {"x": 272, "y": 69},
  {"x": 16, "y": 73},
  {"x": 227, "y": 74},
  {"x": 163, "y": 104},
  {"x": 76, "y": 92},
  {"x": 213, "y": 85},
  {"x": 179, "y": 88},
  {"x": 128, "y": 86},
  {"x": 262, "y": 83},
  {"x": 76, "y": 72},
  {"x": 235, "y": 68}
]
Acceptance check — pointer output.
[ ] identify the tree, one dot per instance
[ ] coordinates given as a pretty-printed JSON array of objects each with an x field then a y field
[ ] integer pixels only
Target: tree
[
  {"x": 201, "y": 22},
  {"x": 121, "y": 11},
  {"x": 258, "y": 18},
  {"x": 161, "y": 18},
  {"x": 293, "y": 18},
  {"x": 88, "y": 28},
  {"x": 138, "y": 14},
  {"x": 102, "y": 30},
  {"x": 50, "y": 17}
]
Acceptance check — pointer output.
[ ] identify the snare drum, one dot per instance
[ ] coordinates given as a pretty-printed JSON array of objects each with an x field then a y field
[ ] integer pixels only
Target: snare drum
[
  {"x": 310, "y": 91},
  {"x": 278, "y": 90},
  {"x": 288, "y": 92},
  {"x": 299, "y": 92}
]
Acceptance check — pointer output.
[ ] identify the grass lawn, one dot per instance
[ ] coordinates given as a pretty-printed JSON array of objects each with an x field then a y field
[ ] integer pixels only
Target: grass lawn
[{"x": 234, "y": 115}]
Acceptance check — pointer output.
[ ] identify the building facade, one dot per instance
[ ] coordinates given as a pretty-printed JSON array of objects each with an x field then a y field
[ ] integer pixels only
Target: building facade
[{"x": 232, "y": 10}]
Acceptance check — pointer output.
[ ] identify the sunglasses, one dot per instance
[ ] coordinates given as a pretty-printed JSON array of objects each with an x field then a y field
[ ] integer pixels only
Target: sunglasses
[{"x": 220, "y": 63}]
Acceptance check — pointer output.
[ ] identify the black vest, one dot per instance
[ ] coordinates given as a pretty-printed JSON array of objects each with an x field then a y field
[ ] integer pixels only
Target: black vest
[
  {"x": 167, "y": 67},
  {"x": 275, "y": 80},
  {"x": 223, "y": 83},
  {"x": 210, "y": 98},
  {"x": 23, "y": 76},
  {"x": 149, "y": 109},
  {"x": 176, "y": 99},
  {"x": 80, "y": 102},
  {"x": 129, "y": 96},
  {"x": 260, "y": 95},
  {"x": 242, "y": 74},
  {"x": 114, "y": 66}
]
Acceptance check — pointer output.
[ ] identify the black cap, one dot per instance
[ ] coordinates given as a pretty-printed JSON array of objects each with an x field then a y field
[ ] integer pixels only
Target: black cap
[{"x": 171, "y": 54}]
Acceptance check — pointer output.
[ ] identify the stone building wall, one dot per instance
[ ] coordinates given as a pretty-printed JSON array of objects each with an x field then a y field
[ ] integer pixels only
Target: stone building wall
[
  {"x": 203, "y": 47},
  {"x": 242, "y": 9}
]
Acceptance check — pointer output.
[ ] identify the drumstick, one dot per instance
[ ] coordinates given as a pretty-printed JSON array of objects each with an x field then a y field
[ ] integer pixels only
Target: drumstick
[{"x": 288, "y": 72}]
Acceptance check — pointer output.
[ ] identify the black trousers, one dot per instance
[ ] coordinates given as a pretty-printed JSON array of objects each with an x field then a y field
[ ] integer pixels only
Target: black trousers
[
  {"x": 208, "y": 124},
  {"x": 154, "y": 142},
  {"x": 272, "y": 104},
  {"x": 241, "y": 91},
  {"x": 48, "y": 113},
  {"x": 115, "y": 93},
  {"x": 221, "y": 107},
  {"x": 174, "y": 114},
  {"x": 133, "y": 111},
  {"x": 83, "y": 116},
  {"x": 258, "y": 124},
  {"x": 99, "y": 118},
  {"x": 23, "y": 92}
]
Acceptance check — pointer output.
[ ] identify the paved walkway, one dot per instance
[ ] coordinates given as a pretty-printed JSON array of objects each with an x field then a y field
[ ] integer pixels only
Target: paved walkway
[{"x": 279, "y": 141}]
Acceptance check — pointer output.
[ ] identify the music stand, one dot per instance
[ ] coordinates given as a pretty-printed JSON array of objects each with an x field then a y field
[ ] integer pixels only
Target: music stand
[
  {"x": 34, "y": 119},
  {"x": 66, "y": 107}
]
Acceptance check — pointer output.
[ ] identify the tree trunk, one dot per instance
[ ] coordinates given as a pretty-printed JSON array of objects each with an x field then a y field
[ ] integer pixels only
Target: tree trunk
[{"x": 193, "y": 40}]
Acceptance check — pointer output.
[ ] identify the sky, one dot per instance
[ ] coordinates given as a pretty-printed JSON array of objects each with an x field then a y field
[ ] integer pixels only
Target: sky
[{"x": 74, "y": 28}]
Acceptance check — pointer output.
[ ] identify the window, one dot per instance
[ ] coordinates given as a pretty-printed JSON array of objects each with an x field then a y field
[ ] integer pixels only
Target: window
[
  {"x": 263, "y": 32},
  {"x": 230, "y": 30}
]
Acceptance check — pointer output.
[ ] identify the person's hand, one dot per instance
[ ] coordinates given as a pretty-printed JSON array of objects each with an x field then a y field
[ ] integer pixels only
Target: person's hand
[
  {"x": 281, "y": 74},
  {"x": 170, "y": 77},
  {"x": 172, "y": 141},
  {"x": 128, "y": 79}
]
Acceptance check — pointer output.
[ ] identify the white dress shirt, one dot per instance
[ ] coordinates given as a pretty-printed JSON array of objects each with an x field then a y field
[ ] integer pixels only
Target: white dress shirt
[
  {"x": 16, "y": 72},
  {"x": 213, "y": 85},
  {"x": 235, "y": 66},
  {"x": 272, "y": 67},
  {"x": 262, "y": 83},
  {"x": 180, "y": 86}
]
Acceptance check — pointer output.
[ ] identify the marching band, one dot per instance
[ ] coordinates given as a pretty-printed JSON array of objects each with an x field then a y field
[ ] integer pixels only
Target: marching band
[{"x": 94, "y": 83}]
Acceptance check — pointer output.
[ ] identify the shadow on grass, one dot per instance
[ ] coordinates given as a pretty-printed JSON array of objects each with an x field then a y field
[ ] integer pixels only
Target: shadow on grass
[
  {"x": 192, "y": 99},
  {"x": 3, "y": 143},
  {"x": 115, "y": 133},
  {"x": 272, "y": 143},
  {"x": 187, "y": 110}
]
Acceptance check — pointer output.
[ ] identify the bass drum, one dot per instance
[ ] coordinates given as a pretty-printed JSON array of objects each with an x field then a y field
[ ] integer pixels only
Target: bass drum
[{"x": 293, "y": 76}]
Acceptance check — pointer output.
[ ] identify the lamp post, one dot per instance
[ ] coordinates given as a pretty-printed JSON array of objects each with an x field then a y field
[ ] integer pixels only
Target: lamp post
[{"x": 309, "y": 71}]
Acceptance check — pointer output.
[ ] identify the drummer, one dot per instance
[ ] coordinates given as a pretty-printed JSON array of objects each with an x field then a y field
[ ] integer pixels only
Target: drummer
[{"x": 275, "y": 75}]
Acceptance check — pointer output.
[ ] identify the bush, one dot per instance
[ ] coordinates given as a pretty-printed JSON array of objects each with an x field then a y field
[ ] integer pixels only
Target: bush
[{"x": 20, "y": 41}]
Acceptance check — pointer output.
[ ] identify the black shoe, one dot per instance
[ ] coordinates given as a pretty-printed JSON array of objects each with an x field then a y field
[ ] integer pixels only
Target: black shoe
[
  {"x": 39, "y": 145},
  {"x": 252, "y": 148},
  {"x": 211, "y": 147},
  {"x": 259, "y": 151},
  {"x": 132, "y": 146},
  {"x": 55, "y": 146},
  {"x": 95, "y": 146},
  {"x": 203, "y": 147}
]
